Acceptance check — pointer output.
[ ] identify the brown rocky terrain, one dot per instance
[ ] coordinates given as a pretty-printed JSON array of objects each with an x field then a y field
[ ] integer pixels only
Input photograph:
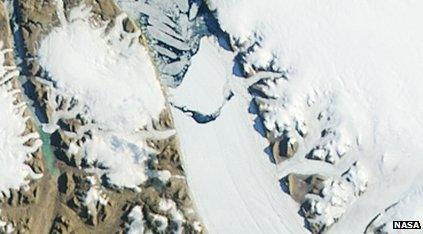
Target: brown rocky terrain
[
  {"x": 36, "y": 200},
  {"x": 55, "y": 203}
]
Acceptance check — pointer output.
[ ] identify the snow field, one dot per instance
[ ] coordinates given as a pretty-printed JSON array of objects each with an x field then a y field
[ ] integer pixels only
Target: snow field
[
  {"x": 357, "y": 62},
  {"x": 106, "y": 82},
  {"x": 14, "y": 150}
]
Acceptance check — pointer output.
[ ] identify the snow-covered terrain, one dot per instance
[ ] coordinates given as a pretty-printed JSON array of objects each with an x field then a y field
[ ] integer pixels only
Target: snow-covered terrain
[
  {"x": 351, "y": 80},
  {"x": 93, "y": 197},
  {"x": 234, "y": 185},
  {"x": 16, "y": 145},
  {"x": 6, "y": 227},
  {"x": 175, "y": 219},
  {"x": 407, "y": 208},
  {"x": 104, "y": 79},
  {"x": 291, "y": 117},
  {"x": 105, "y": 72},
  {"x": 136, "y": 221}
]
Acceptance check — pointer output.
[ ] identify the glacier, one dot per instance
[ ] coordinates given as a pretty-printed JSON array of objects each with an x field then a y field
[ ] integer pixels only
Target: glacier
[
  {"x": 350, "y": 80},
  {"x": 325, "y": 80}
]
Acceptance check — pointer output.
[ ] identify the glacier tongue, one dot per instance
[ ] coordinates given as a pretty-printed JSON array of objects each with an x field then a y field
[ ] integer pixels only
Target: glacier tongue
[{"x": 234, "y": 185}]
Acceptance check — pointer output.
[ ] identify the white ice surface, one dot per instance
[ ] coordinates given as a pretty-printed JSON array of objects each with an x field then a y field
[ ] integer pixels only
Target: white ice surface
[
  {"x": 94, "y": 197},
  {"x": 234, "y": 185},
  {"x": 204, "y": 87},
  {"x": 136, "y": 219},
  {"x": 176, "y": 215},
  {"x": 6, "y": 227},
  {"x": 121, "y": 157},
  {"x": 112, "y": 76},
  {"x": 14, "y": 172},
  {"x": 366, "y": 56},
  {"x": 409, "y": 207}
]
